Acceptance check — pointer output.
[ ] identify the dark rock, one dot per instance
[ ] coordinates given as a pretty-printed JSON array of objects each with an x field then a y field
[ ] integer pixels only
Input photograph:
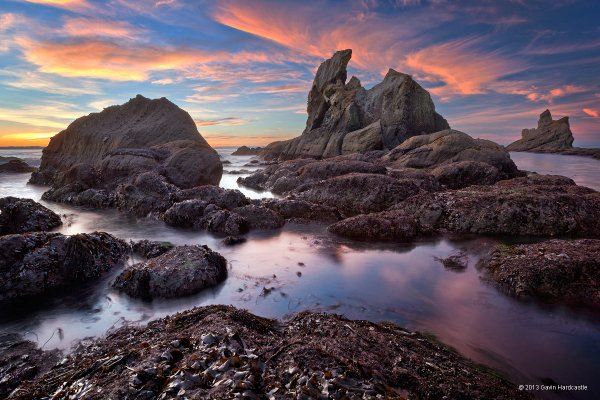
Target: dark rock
[
  {"x": 359, "y": 193},
  {"x": 261, "y": 358},
  {"x": 302, "y": 210},
  {"x": 234, "y": 240},
  {"x": 566, "y": 270},
  {"x": 259, "y": 217},
  {"x": 25, "y": 215},
  {"x": 41, "y": 263},
  {"x": 224, "y": 198},
  {"x": 455, "y": 262},
  {"x": 149, "y": 193},
  {"x": 16, "y": 166},
  {"x": 21, "y": 362},
  {"x": 217, "y": 220},
  {"x": 114, "y": 147},
  {"x": 182, "y": 271},
  {"x": 517, "y": 207},
  {"x": 345, "y": 117},
  {"x": 151, "y": 249},
  {"x": 185, "y": 214},
  {"x": 460, "y": 174},
  {"x": 238, "y": 172},
  {"x": 549, "y": 135},
  {"x": 247, "y": 151}
]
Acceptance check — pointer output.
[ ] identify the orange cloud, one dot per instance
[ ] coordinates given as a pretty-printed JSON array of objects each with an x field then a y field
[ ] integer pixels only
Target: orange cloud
[
  {"x": 591, "y": 113},
  {"x": 100, "y": 59},
  {"x": 94, "y": 27},
  {"x": 557, "y": 92},
  {"x": 462, "y": 68},
  {"x": 228, "y": 121},
  {"x": 67, "y": 4}
]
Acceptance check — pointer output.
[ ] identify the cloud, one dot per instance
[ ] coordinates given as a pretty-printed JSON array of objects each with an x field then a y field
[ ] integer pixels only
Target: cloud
[
  {"x": 561, "y": 91},
  {"x": 66, "y": 4},
  {"x": 95, "y": 27},
  {"x": 164, "y": 81},
  {"x": 227, "y": 121},
  {"x": 591, "y": 113},
  {"x": 108, "y": 60},
  {"x": 461, "y": 67},
  {"x": 33, "y": 80}
]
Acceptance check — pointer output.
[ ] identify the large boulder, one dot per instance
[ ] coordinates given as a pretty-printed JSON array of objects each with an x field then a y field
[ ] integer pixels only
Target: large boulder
[
  {"x": 549, "y": 135},
  {"x": 567, "y": 270},
  {"x": 110, "y": 148},
  {"x": 247, "y": 151},
  {"x": 182, "y": 271},
  {"x": 448, "y": 147},
  {"x": 25, "y": 215},
  {"x": 42, "y": 263},
  {"x": 16, "y": 166},
  {"x": 344, "y": 117},
  {"x": 530, "y": 206}
]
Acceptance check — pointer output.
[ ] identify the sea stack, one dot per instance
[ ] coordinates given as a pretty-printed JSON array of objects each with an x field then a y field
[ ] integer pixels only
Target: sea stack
[
  {"x": 344, "y": 117},
  {"x": 121, "y": 142},
  {"x": 550, "y": 135}
]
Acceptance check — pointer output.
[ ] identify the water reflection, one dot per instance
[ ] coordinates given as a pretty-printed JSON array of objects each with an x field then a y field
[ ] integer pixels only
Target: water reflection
[{"x": 583, "y": 170}]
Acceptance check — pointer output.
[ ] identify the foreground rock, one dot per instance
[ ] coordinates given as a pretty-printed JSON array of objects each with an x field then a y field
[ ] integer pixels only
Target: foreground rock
[
  {"x": 151, "y": 249},
  {"x": 549, "y": 135},
  {"x": 247, "y": 151},
  {"x": 21, "y": 361},
  {"x": 344, "y": 117},
  {"x": 25, "y": 215},
  {"x": 90, "y": 161},
  {"x": 16, "y": 166},
  {"x": 223, "y": 352},
  {"x": 537, "y": 205},
  {"x": 36, "y": 264},
  {"x": 182, "y": 271},
  {"x": 566, "y": 270}
]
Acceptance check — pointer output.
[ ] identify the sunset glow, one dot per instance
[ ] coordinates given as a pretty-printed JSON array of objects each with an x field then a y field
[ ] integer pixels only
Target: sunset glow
[{"x": 243, "y": 69}]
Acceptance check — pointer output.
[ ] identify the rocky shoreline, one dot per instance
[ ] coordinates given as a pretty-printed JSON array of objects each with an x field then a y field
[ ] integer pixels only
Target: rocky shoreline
[{"x": 223, "y": 352}]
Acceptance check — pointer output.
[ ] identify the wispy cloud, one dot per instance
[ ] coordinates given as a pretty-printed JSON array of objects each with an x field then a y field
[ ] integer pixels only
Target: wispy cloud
[
  {"x": 591, "y": 113},
  {"x": 96, "y": 27},
  {"x": 227, "y": 121}
]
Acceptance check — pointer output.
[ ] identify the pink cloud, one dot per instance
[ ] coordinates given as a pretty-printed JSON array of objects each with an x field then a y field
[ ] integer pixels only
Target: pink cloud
[
  {"x": 590, "y": 112},
  {"x": 94, "y": 27}
]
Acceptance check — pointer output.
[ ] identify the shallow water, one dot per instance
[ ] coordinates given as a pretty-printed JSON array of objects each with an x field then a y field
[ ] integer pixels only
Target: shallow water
[
  {"x": 310, "y": 269},
  {"x": 584, "y": 171}
]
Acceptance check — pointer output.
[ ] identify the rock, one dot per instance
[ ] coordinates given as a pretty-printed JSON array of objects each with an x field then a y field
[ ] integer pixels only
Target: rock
[
  {"x": 233, "y": 240},
  {"x": 564, "y": 270},
  {"x": 345, "y": 117},
  {"x": 247, "y": 151},
  {"x": 301, "y": 210},
  {"x": 25, "y": 215},
  {"x": 224, "y": 198},
  {"x": 455, "y": 262},
  {"x": 238, "y": 172},
  {"x": 259, "y": 217},
  {"x": 220, "y": 352},
  {"x": 151, "y": 249},
  {"x": 114, "y": 147},
  {"x": 549, "y": 135},
  {"x": 36, "y": 264},
  {"x": 217, "y": 220},
  {"x": 16, "y": 166},
  {"x": 182, "y": 271},
  {"x": 149, "y": 193},
  {"x": 185, "y": 214},
  {"x": 21, "y": 361},
  {"x": 450, "y": 146},
  {"x": 466, "y": 173},
  {"x": 517, "y": 207},
  {"x": 359, "y": 193}
]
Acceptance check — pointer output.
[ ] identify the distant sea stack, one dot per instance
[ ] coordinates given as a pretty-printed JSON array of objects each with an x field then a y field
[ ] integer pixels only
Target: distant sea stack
[
  {"x": 549, "y": 135},
  {"x": 344, "y": 117},
  {"x": 123, "y": 141},
  {"x": 247, "y": 151}
]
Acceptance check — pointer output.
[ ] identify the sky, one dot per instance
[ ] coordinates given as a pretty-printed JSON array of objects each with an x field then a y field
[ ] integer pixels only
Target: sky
[{"x": 243, "y": 69}]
